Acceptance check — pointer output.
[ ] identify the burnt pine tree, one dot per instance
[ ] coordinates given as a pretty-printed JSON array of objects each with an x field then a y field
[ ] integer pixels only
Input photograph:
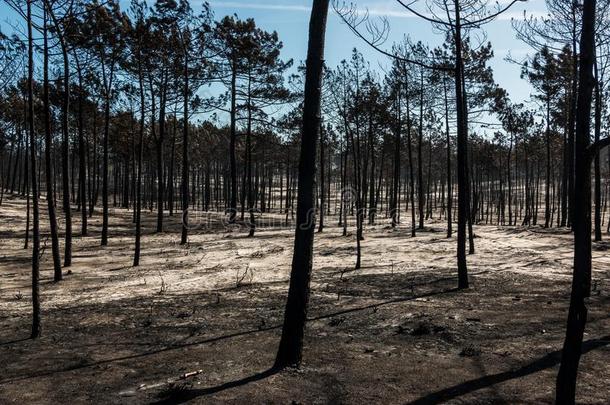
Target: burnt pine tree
[
  {"x": 396, "y": 86},
  {"x": 565, "y": 392},
  {"x": 233, "y": 40},
  {"x": 420, "y": 51},
  {"x": 542, "y": 74},
  {"x": 291, "y": 344},
  {"x": 105, "y": 39},
  {"x": 194, "y": 32},
  {"x": 47, "y": 153},
  {"x": 36, "y": 328},
  {"x": 460, "y": 19},
  {"x": 65, "y": 147},
  {"x": 462, "y": 140},
  {"x": 74, "y": 41},
  {"x": 263, "y": 79},
  {"x": 166, "y": 47},
  {"x": 560, "y": 28},
  {"x": 138, "y": 42}
]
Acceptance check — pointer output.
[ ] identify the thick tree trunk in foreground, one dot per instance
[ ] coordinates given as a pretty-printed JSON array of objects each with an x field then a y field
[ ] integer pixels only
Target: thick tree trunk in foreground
[
  {"x": 291, "y": 343},
  {"x": 581, "y": 281}
]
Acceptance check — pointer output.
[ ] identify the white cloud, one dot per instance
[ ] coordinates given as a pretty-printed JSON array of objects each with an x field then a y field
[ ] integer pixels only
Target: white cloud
[
  {"x": 373, "y": 9},
  {"x": 385, "y": 9},
  {"x": 259, "y": 6}
]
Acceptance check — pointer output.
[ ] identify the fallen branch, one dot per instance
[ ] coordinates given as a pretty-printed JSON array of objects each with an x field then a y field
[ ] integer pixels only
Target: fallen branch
[{"x": 190, "y": 374}]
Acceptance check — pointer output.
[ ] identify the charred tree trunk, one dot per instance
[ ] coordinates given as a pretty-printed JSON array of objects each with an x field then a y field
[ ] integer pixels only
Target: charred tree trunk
[
  {"x": 421, "y": 200},
  {"x": 322, "y": 181},
  {"x": 108, "y": 90},
  {"x": 160, "y": 161},
  {"x": 185, "y": 151},
  {"x": 396, "y": 177},
  {"x": 291, "y": 343},
  {"x": 547, "y": 201},
  {"x": 250, "y": 193},
  {"x": 138, "y": 202},
  {"x": 462, "y": 150},
  {"x": 82, "y": 181},
  {"x": 597, "y": 164},
  {"x": 410, "y": 153},
  {"x": 232, "y": 142},
  {"x": 36, "y": 328},
  {"x": 581, "y": 281},
  {"x": 572, "y": 120},
  {"x": 449, "y": 174},
  {"x": 57, "y": 276}
]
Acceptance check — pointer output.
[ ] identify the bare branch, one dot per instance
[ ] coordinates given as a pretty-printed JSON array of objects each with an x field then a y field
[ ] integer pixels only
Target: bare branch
[{"x": 349, "y": 15}]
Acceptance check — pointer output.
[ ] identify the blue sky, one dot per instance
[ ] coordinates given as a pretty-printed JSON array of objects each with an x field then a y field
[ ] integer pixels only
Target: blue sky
[{"x": 290, "y": 19}]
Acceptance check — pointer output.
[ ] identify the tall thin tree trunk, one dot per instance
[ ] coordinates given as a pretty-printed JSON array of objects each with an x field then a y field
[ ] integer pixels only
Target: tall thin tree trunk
[
  {"x": 250, "y": 194},
  {"x": 462, "y": 150},
  {"x": 185, "y": 151},
  {"x": 57, "y": 276},
  {"x": 322, "y": 181},
  {"x": 597, "y": 164},
  {"x": 291, "y": 343},
  {"x": 581, "y": 281},
  {"x": 232, "y": 146},
  {"x": 396, "y": 176},
  {"x": 136, "y": 256},
  {"x": 572, "y": 119},
  {"x": 65, "y": 141},
  {"x": 160, "y": 162},
  {"x": 547, "y": 202},
  {"x": 82, "y": 181},
  {"x": 105, "y": 163},
  {"x": 421, "y": 200},
  {"x": 27, "y": 185},
  {"x": 36, "y": 327},
  {"x": 449, "y": 174},
  {"x": 410, "y": 153}
]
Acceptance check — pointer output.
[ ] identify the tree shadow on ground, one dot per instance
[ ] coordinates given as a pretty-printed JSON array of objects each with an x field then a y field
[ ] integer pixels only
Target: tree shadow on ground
[
  {"x": 547, "y": 361},
  {"x": 182, "y": 395},
  {"x": 14, "y": 341},
  {"x": 179, "y": 395},
  {"x": 182, "y": 345}
]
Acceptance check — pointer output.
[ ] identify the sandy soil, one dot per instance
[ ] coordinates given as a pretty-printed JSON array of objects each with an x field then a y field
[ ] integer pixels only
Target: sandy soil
[{"x": 201, "y": 323}]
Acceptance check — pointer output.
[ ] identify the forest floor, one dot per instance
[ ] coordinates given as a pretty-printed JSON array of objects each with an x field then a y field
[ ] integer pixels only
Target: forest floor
[{"x": 201, "y": 323}]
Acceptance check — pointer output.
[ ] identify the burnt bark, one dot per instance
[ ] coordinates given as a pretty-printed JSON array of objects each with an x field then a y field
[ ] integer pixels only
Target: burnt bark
[{"x": 291, "y": 343}]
